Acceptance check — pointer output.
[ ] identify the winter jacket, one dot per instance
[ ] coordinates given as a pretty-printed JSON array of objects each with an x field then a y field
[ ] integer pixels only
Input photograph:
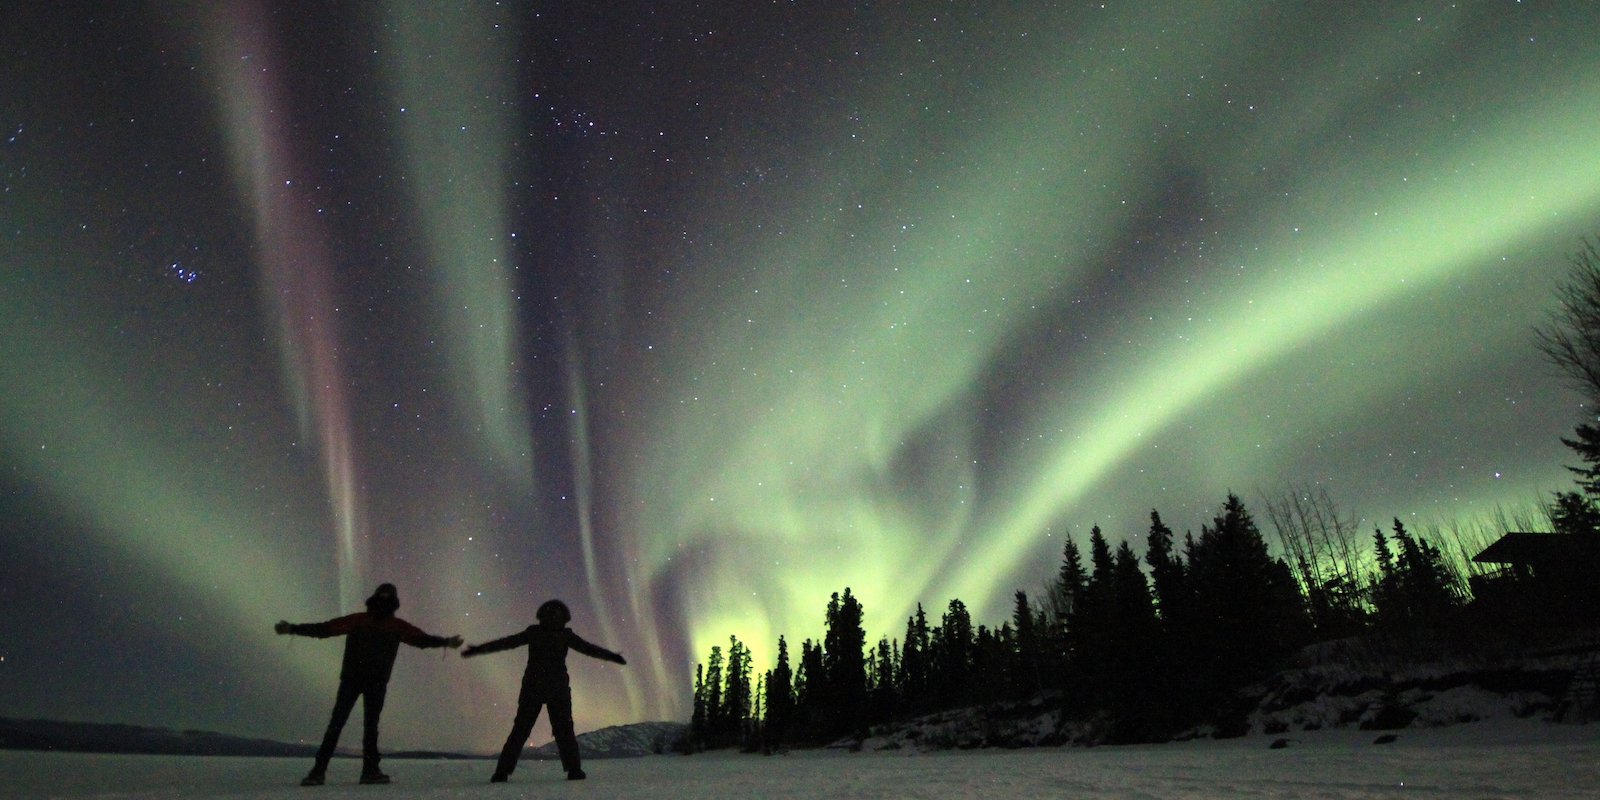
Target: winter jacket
[
  {"x": 372, "y": 644},
  {"x": 547, "y": 654}
]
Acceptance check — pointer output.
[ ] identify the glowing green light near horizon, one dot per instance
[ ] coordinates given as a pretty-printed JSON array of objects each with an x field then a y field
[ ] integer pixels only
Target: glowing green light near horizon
[{"x": 772, "y": 459}]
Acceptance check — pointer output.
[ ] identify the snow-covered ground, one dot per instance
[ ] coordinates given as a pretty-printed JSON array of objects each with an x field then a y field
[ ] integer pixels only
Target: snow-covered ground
[{"x": 1500, "y": 758}]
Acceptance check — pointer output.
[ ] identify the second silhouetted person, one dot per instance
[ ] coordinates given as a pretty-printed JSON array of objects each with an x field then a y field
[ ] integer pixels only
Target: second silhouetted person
[{"x": 545, "y": 683}]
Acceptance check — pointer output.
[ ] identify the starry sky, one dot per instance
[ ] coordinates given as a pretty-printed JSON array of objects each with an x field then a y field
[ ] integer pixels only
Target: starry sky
[{"x": 692, "y": 313}]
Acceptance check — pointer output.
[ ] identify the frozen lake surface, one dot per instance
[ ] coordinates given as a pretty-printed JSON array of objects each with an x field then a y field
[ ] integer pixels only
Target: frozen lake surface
[{"x": 1512, "y": 758}]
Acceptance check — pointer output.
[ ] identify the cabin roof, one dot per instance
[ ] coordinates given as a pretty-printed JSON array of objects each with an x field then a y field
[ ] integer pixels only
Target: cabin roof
[{"x": 1539, "y": 548}]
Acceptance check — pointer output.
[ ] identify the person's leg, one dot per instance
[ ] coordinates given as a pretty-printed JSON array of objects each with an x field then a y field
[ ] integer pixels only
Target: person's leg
[
  {"x": 373, "y": 695},
  {"x": 528, "y": 704},
  {"x": 561, "y": 729},
  {"x": 342, "y": 703}
]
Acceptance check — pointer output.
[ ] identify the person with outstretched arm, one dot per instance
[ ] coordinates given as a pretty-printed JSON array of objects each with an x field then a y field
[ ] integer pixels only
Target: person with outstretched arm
[
  {"x": 372, "y": 640},
  {"x": 545, "y": 683}
]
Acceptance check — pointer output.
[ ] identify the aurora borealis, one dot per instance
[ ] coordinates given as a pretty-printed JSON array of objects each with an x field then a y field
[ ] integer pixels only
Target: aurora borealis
[{"x": 691, "y": 314}]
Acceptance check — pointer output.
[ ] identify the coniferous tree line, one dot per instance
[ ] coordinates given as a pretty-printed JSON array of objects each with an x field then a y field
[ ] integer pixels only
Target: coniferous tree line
[{"x": 1153, "y": 645}]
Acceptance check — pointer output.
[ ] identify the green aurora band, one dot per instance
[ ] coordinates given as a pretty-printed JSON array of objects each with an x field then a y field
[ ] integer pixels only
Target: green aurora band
[
  {"x": 455, "y": 110},
  {"x": 773, "y": 457}
]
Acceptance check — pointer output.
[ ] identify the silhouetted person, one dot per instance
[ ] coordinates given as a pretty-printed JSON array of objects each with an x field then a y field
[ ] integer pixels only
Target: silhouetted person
[
  {"x": 374, "y": 639},
  {"x": 545, "y": 683}
]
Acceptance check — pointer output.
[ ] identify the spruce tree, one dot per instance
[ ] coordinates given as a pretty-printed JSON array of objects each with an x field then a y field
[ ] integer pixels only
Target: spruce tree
[
  {"x": 1066, "y": 592},
  {"x": 1090, "y": 630},
  {"x": 812, "y": 693},
  {"x": 989, "y": 677},
  {"x": 1249, "y": 612},
  {"x": 872, "y": 670},
  {"x": 1070, "y": 598},
  {"x": 1026, "y": 678},
  {"x": 1421, "y": 587},
  {"x": 1100, "y": 560},
  {"x": 954, "y": 660},
  {"x": 1135, "y": 606},
  {"x": 1586, "y": 444},
  {"x": 1114, "y": 638},
  {"x": 1382, "y": 553},
  {"x": 1133, "y": 655},
  {"x": 755, "y": 736},
  {"x": 780, "y": 696},
  {"x": 914, "y": 654},
  {"x": 736, "y": 697},
  {"x": 1051, "y": 648},
  {"x": 1384, "y": 592},
  {"x": 882, "y": 674},
  {"x": 1166, "y": 568},
  {"x": 1574, "y": 513},
  {"x": 1171, "y": 705},
  {"x": 768, "y": 735},
  {"x": 894, "y": 671},
  {"x": 884, "y": 700},
  {"x": 697, "y": 723},
  {"x": 1091, "y": 624},
  {"x": 845, "y": 662},
  {"x": 714, "y": 710},
  {"x": 1070, "y": 583}
]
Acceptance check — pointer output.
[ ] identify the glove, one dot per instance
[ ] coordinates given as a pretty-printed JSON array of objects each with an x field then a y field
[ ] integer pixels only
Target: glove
[
  {"x": 453, "y": 642},
  {"x": 282, "y": 627},
  {"x": 469, "y": 652}
]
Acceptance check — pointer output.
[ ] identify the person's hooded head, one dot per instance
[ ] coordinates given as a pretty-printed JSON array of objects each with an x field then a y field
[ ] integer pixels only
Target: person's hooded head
[
  {"x": 384, "y": 602},
  {"x": 553, "y": 614}
]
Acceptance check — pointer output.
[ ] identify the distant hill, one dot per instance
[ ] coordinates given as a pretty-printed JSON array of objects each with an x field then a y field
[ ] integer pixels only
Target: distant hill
[
  {"x": 431, "y": 755},
  {"x": 94, "y": 737},
  {"x": 620, "y": 741}
]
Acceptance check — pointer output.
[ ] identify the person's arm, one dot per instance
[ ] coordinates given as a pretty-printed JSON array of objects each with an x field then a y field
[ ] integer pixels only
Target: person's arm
[
  {"x": 414, "y": 636},
  {"x": 506, "y": 643},
  {"x": 578, "y": 643},
  {"x": 318, "y": 630}
]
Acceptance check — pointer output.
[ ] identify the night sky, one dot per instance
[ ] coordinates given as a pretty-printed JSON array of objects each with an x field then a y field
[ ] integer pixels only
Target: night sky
[{"x": 692, "y": 313}]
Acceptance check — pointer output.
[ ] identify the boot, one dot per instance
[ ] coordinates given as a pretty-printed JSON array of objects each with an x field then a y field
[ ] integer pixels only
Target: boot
[
  {"x": 499, "y": 777},
  {"x": 371, "y": 774},
  {"x": 575, "y": 775},
  {"x": 317, "y": 776}
]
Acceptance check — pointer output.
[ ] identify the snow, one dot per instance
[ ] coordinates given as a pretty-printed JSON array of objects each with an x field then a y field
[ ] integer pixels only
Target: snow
[
  {"x": 1429, "y": 694},
  {"x": 1499, "y": 757},
  {"x": 968, "y": 728}
]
